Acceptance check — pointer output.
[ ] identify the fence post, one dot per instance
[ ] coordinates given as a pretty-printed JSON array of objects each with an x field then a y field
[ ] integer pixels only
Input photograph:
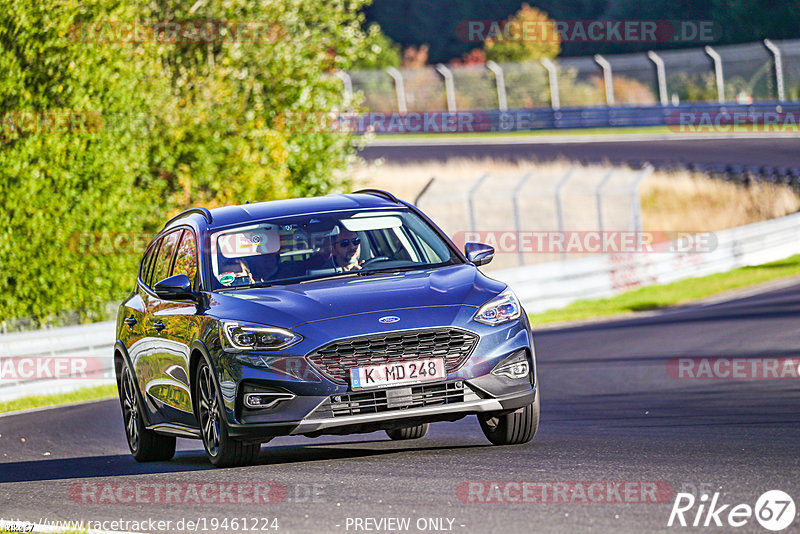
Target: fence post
[
  {"x": 424, "y": 190},
  {"x": 449, "y": 86},
  {"x": 718, "y": 73},
  {"x": 599, "y": 196},
  {"x": 499, "y": 76},
  {"x": 636, "y": 202},
  {"x": 661, "y": 75},
  {"x": 347, "y": 81},
  {"x": 776, "y": 52},
  {"x": 472, "y": 190},
  {"x": 517, "y": 223},
  {"x": 552, "y": 73},
  {"x": 399, "y": 88},
  {"x": 608, "y": 78},
  {"x": 559, "y": 208}
]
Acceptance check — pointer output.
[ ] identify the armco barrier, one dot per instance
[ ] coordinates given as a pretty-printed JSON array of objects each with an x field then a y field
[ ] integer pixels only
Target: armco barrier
[
  {"x": 546, "y": 286},
  {"x": 779, "y": 116},
  {"x": 541, "y": 287},
  {"x": 91, "y": 342}
]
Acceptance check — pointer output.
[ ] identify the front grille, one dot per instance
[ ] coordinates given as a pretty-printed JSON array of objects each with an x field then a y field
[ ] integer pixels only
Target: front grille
[
  {"x": 336, "y": 359},
  {"x": 397, "y": 399}
]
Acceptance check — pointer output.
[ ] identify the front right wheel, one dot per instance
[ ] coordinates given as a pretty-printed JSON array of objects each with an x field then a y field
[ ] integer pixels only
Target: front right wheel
[
  {"x": 409, "y": 432},
  {"x": 222, "y": 450},
  {"x": 512, "y": 428}
]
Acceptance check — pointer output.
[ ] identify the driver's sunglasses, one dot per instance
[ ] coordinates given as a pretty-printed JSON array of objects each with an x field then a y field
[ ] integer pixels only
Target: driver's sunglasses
[{"x": 344, "y": 243}]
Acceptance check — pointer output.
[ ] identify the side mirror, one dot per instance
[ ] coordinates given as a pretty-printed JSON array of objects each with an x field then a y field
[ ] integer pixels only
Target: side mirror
[
  {"x": 177, "y": 287},
  {"x": 478, "y": 253}
]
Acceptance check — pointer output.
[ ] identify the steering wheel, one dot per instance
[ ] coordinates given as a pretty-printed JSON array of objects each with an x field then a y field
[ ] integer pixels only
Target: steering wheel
[{"x": 376, "y": 259}]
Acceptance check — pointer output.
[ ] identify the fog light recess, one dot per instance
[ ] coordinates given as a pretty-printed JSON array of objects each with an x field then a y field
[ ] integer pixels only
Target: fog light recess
[
  {"x": 263, "y": 401},
  {"x": 515, "y": 367}
]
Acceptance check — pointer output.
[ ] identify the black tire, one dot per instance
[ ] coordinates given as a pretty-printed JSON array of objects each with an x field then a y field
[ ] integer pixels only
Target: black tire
[
  {"x": 222, "y": 450},
  {"x": 409, "y": 432},
  {"x": 145, "y": 445},
  {"x": 512, "y": 428}
]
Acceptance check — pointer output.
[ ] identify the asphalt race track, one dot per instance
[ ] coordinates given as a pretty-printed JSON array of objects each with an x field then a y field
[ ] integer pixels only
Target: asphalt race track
[
  {"x": 611, "y": 412},
  {"x": 683, "y": 150}
]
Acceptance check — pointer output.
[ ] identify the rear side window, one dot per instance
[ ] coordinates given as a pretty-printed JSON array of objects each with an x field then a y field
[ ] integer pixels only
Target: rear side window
[
  {"x": 186, "y": 259},
  {"x": 165, "y": 254}
]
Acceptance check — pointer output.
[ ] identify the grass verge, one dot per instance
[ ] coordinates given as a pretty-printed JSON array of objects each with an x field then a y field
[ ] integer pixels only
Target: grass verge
[
  {"x": 662, "y": 296},
  {"x": 25, "y": 403}
]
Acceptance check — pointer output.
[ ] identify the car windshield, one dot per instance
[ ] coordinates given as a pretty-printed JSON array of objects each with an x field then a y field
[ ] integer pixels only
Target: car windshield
[{"x": 310, "y": 247}]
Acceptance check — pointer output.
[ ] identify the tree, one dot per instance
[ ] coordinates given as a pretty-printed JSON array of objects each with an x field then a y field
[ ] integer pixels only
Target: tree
[
  {"x": 514, "y": 43},
  {"x": 750, "y": 20},
  {"x": 159, "y": 125},
  {"x": 435, "y": 22},
  {"x": 67, "y": 171}
]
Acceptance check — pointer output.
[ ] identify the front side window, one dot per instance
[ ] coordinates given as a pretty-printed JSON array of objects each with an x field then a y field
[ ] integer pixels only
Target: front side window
[
  {"x": 166, "y": 252},
  {"x": 308, "y": 247},
  {"x": 186, "y": 258}
]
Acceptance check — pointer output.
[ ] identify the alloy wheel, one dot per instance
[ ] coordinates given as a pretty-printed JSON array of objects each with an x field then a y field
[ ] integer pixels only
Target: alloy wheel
[
  {"x": 130, "y": 409},
  {"x": 209, "y": 411}
]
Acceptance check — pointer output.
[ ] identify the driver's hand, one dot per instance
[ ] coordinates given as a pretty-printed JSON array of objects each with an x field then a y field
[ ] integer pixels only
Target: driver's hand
[{"x": 354, "y": 266}]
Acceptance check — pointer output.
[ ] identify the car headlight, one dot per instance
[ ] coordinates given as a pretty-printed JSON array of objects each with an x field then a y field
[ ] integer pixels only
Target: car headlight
[
  {"x": 257, "y": 337},
  {"x": 501, "y": 309},
  {"x": 515, "y": 367}
]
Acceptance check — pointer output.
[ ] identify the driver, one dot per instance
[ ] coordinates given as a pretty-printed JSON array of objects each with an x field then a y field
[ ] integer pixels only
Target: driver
[{"x": 347, "y": 250}]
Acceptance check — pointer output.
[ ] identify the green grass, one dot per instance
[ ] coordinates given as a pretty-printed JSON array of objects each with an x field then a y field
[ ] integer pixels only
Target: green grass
[
  {"x": 98, "y": 392},
  {"x": 681, "y": 292}
]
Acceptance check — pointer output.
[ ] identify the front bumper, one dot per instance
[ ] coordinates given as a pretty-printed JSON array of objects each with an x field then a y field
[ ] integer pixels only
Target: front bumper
[
  {"x": 322, "y": 406},
  {"x": 317, "y": 424}
]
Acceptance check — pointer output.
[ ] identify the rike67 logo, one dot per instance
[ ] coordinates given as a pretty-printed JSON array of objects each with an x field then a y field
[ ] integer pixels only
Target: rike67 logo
[{"x": 774, "y": 510}]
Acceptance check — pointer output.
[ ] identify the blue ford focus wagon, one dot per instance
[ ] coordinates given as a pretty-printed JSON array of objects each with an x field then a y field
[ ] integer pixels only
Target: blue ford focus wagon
[{"x": 333, "y": 315}]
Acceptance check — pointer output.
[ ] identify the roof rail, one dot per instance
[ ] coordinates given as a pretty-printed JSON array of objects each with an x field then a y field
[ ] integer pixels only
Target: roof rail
[
  {"x": 378, "y": 193},
  {"x": 201, "y": 211}
]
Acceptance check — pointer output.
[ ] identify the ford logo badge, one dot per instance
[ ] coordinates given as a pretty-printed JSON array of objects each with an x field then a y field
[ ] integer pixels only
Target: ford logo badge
[{"x": 388, "y": 319}]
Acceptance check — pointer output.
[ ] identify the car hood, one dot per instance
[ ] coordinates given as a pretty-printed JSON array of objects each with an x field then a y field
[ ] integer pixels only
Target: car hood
[{"x": 293, "y": 305}]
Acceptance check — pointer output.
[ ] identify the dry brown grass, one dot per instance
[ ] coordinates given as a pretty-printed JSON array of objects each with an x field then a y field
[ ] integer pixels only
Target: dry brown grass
[
  {"x": 681, "y": 201},
  {"x": 670, "y": 201}
]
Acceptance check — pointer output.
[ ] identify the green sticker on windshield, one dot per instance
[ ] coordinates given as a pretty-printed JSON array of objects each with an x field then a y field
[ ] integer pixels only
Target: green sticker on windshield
[{"x": 227, "y": 279}]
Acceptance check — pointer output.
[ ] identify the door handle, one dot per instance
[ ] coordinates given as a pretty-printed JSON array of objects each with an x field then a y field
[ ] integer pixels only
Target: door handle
[
  {"x": 158, "y": 326},
  {"x": 130, "y": 321}
]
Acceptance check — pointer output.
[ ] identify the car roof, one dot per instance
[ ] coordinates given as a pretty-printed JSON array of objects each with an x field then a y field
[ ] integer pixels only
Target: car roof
[{"x": 232, "y": 215}]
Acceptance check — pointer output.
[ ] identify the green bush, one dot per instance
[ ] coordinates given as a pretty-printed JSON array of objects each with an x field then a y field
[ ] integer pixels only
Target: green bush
[{"x": 159, "y": 127}]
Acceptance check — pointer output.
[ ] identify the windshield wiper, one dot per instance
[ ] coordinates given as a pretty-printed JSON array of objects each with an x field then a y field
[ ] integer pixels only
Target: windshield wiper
[
  {"x": 338, "y": 275},
  {"x": 390, "y": 271}
]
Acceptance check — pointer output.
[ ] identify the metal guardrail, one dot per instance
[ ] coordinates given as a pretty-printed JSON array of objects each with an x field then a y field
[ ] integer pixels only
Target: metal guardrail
[
  {"x": 553, "y": 285},
  {"x": 84, "y": 355},
  {"x": 717, "y": 117}
]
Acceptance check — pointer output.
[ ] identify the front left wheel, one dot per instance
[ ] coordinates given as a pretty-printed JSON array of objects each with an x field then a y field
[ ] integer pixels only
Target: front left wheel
[
  {"x": 222, "y": 450},
  {"x": 512, "y": 428},
  {"x": 145, "y": 445}
]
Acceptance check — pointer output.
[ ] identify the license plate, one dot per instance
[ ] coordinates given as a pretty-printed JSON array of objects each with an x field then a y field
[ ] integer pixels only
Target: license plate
[{"x": 390, "y": 374}]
